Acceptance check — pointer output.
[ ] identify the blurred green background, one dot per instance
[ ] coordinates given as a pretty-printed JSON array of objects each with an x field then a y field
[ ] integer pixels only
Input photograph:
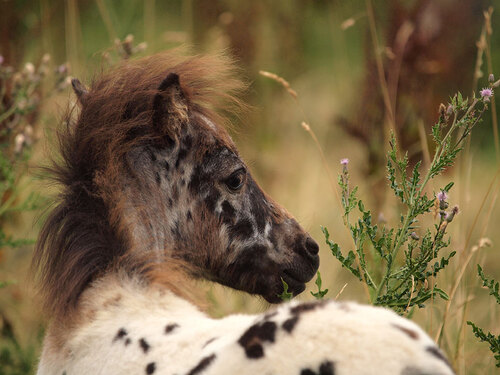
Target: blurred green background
[{"x": 325, "y": 49}]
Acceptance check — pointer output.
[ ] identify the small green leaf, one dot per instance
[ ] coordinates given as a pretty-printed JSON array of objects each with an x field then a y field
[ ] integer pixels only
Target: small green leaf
[
  {"x": 441, "y": 293},
  {"x": 361, "y": 206},
  {"x": 321, "y": 293},
  {"x": 448, "y": 187},
  {"x": 491, "y": 284},
  {"x": 285, "y": 296}
]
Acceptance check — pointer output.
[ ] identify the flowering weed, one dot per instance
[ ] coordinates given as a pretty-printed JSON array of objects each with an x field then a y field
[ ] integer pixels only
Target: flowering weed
[{"x": 408, "y": 281}]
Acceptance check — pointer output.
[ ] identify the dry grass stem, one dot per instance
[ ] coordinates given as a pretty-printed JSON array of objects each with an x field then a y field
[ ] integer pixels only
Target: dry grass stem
[
  {"x": 424, "y": 144},
  {"x": 402, "y": 36},
  {"x": 351, "y": 21},
  {"x": 341, "y": 291},
  {"x": 347, "y": 23},
  {"x": 494, "y": 119},
  {"x": 103, "y": 11},
  {"x": 381, "y": 74},
  {"x": 411, "y": 292},
  {"x": 73, "y": 35},
  {"x": 459, "y": 347},
  {"x": 281, "y": 81},
  {"x": 307, "y": 128}
]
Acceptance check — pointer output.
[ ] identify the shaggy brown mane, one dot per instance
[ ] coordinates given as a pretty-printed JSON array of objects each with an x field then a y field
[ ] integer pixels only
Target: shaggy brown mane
[{"x": 84, "y": 236}]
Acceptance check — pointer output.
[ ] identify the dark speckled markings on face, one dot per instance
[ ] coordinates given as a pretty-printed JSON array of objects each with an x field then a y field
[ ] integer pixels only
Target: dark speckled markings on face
[
  {"x": 241, "y": 230},
  {"x": 207, "y": 191}
]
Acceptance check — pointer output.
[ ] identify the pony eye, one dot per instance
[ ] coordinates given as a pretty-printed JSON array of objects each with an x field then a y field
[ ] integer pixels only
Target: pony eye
[{"x": 236, "y": 181}]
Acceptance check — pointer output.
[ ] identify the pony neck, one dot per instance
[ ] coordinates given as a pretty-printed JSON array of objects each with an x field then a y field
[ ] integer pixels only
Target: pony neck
[{"x": 120, "y": 294}]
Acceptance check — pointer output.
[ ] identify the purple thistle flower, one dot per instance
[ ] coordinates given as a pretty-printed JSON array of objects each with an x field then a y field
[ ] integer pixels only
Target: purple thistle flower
[
  {"x": 344, "y": 161},
  {"x": 486, "y": 94},
  {"x": 442, "y": 196},
  {"x": 1, "y": 59}
]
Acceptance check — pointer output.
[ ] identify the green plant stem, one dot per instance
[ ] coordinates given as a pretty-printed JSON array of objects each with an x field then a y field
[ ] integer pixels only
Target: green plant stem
[{"x": 408, "y": 218}]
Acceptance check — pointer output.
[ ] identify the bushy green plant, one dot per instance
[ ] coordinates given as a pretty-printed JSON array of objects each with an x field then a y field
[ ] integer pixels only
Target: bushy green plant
[{"x": 409, "y": 280}]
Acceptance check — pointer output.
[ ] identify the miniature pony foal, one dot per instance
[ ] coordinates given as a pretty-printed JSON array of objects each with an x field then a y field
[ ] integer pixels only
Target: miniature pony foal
[{"x": 153, "y": 194}]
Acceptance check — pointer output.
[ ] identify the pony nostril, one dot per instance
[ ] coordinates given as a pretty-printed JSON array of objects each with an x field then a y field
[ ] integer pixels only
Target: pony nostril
[{"x": 312, "y": 246}]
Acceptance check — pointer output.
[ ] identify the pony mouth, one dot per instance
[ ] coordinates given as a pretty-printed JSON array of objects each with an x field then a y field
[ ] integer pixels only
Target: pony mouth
[
  {"x": 297, "y": 276},
  {"x": 296, "y": 284}
]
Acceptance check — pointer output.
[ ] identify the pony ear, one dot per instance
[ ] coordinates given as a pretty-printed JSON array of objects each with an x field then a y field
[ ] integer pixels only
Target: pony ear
[
  {"x": 80, "y": 90},
  {"x": 170, "y": 107}
]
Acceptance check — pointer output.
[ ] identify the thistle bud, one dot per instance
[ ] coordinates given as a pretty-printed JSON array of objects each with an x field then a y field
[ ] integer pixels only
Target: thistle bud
[
  {"x": 451, "y": 215},
  {"x": 414, "y": 236},
  {"x": 442, "y": 111},
  {"x": 344, "y": 163},
  {"x": 442, "y": 197},
  {"x": 491, "y": 78},
  {"x": 449, "y": 110}
]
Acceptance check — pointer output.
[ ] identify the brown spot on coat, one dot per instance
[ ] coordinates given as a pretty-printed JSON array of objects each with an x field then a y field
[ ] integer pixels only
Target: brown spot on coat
[
  {"x": 307, "y": 306},
  {"x": 122, "y": 332},
  {"x": 171, "y": 327},
  {"x": 202, "y": 365},
  {"x": 289, "y": 324},
  {"x": 437, "y": 353},
  {"x": 255, "y": 336},
  {"x": 408, "y": 331},
  {"x": 144, "y": 345},
  {"x": 150, "y": 368}
]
